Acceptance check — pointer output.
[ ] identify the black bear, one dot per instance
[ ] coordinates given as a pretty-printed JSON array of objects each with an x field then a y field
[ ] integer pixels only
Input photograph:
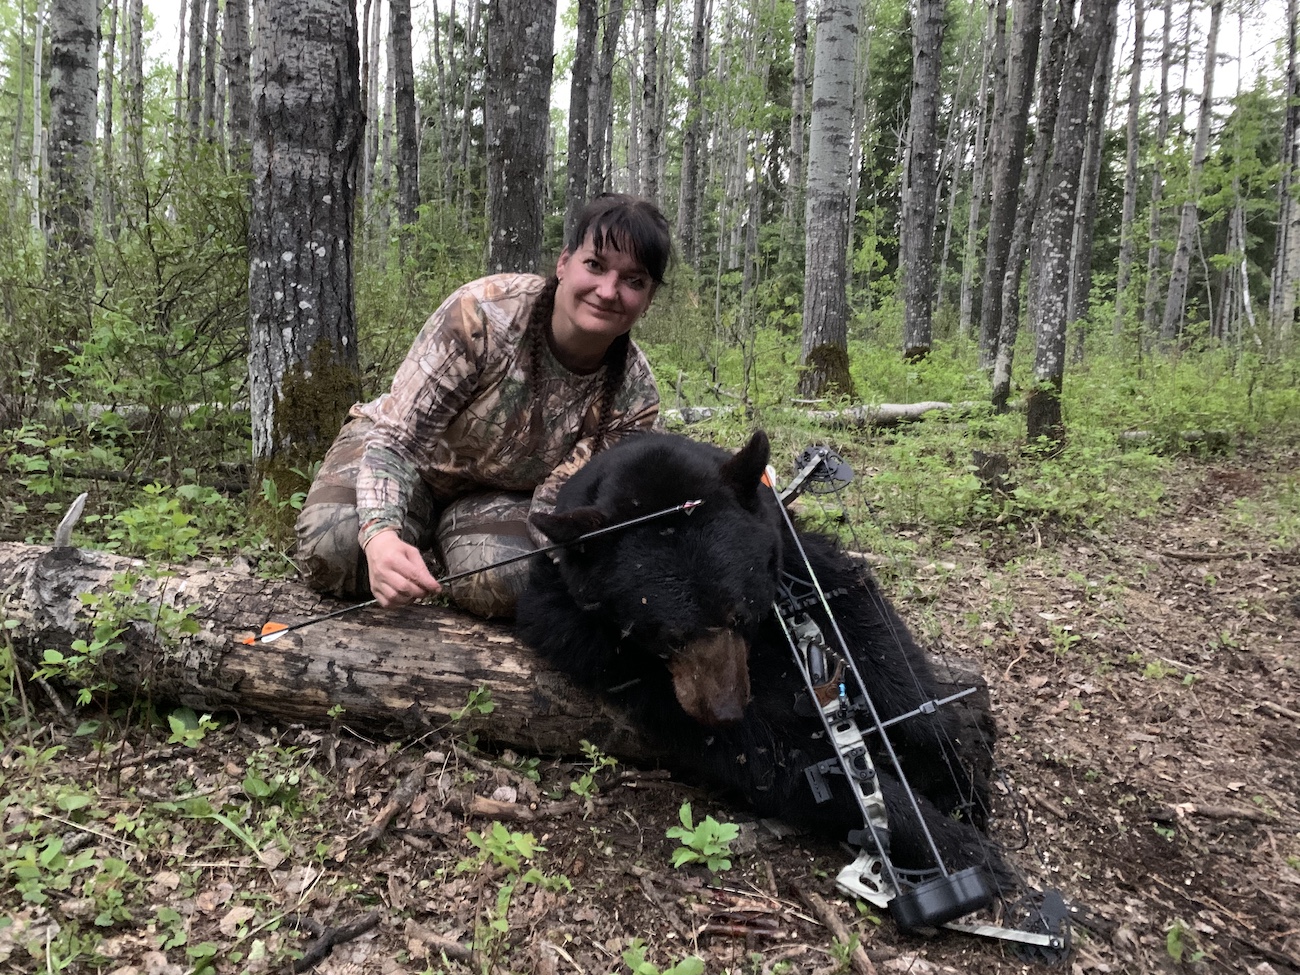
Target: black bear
[{"x": 674, "y": 620}]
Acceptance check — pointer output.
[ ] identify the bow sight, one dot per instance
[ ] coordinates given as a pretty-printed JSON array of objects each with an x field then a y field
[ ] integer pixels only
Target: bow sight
[{"x": 1037, "y": 926}]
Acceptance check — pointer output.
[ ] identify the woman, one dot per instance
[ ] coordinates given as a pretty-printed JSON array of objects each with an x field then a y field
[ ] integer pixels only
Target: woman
[{"x": 511, "y": 386}]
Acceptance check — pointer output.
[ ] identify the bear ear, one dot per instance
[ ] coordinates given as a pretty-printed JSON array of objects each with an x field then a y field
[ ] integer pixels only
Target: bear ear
[
  {"x": 569, "y": 525},
  {"x": 744, "y": 470}
]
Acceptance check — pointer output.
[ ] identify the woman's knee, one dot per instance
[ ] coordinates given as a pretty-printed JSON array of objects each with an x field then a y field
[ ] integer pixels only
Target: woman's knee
[{"x": 328, "y": 555}]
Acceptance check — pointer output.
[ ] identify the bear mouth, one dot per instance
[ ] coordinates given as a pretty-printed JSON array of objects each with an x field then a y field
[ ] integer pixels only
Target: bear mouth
[{"x": 711, "y": 677}]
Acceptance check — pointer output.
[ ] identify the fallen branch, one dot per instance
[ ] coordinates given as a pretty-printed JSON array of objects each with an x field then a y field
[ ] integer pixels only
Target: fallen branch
[
  {"x": 398, "y": 802},
  {"x": 329, "y": 937},
  {"x": 858, "y": 960},
  {"x": 1171, "y": 814}
]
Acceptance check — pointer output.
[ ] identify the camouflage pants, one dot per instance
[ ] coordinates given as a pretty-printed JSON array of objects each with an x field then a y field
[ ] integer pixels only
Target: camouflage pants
[{"x": 466, "y": 534}]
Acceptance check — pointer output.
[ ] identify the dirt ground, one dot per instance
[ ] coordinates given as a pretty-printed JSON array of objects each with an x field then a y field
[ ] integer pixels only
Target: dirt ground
[{"x": 1147, "y": 694}]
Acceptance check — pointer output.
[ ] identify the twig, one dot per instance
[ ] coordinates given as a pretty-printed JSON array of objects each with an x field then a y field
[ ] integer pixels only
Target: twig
[
  {"x": 1169, "y": 814},
  {"x": 1203, "y": 556},
  {"x": 491, "y": 808},
  {"x": 330, "y": 937},
  {"x": 652, "y": 895},
  {"x": 398, "y": 802},
  {"x": 858, "y": 960},
  {"x": 1280, "y": 711}
]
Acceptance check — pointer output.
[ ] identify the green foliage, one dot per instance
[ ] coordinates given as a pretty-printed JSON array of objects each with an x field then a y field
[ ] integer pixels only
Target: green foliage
[
  {"x": 1180, "y": 944},
  {"x": 585, "y": 785},
  {"x": 634, "y": 958},
  {"x": 708, "y": 843}
]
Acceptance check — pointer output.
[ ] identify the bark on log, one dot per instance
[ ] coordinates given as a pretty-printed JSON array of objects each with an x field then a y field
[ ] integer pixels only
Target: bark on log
[{"x": 399, "y": 672}]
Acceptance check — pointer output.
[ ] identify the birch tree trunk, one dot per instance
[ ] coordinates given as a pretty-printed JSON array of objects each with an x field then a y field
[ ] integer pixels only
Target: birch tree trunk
[
  {"x": 15, "y": 153},
  {"x": 650, "y": 135},
  {"x": 108, "y": 202},
  {"x": 1010, "y": 128},
  {"x": 919, "y": 180},
  {"x": 1049, "y": 83},
  {"x": 307, "y": 129},
  {"x": 408, "y": 123},
  {"x": 133, "y": 89},
  {"x": 517, "y": 129},
  {"x": 1283, "y": 300},
  {"x": 370, "y": 159},
  {"x": 993, "y": 61},
  {"x": 74, "y": 87},
  {"x": 688, "y": 202},
  {"x": 38, "y": 128},
  {"x": 1180, "y": 270},
  {"x": 584, "y": 59},
  {"x": 1154, "y": 234},
  {"x": 234, "y": 50},
  {"x": 210, "y": 73},
  {"x": 602, "y": 111},
  {"x": 1124, "y": 272},
  {"x": 194, "y": 74},
  {"x": 793, "y": 205},
  {"x": 825, "y": 356},
  {"x": 1086, "y": 213},
  {"x": 1050, "y": 277}
]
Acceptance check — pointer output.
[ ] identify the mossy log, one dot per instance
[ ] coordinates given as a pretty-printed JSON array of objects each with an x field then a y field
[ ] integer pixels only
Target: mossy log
[{"x": 400, "y": 672}]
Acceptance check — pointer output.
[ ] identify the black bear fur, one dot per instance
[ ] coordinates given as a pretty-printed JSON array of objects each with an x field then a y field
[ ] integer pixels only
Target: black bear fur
[{"x": 617, "y": 613}]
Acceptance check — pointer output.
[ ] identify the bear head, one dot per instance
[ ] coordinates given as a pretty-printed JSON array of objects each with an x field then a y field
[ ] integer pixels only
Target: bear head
[{"x": 690, "y": 588}]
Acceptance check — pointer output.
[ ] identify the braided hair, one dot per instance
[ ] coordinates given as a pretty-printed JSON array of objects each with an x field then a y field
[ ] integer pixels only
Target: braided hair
[{"x": 622, "y": 222}]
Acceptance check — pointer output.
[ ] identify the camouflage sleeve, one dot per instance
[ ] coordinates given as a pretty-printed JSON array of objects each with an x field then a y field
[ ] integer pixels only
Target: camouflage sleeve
[
  {"x": 438, "y": 377},
  {"x": 639, "y": 415}
]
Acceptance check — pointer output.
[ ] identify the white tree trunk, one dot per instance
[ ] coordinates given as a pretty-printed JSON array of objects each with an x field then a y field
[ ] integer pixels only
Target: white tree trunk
[
  {"x": 517, "y": 129},
  {"x": 920, "y": 177},
  {"x": 1129, "y": 212},
  {"x": 1050, "y": 279},
  {"x": 825, "y": 306},
  {"x": 74, "y": 86},
  {"x": 1180, "y": 271},
  {"x": 306, "y": 140}
]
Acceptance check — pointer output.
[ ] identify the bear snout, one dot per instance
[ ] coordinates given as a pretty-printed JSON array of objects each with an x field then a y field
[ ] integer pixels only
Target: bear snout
[{"x": 711, "y": 677}]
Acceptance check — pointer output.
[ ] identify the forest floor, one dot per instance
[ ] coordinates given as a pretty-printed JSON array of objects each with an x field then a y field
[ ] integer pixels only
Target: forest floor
[{"x": 1145, "y": 682}]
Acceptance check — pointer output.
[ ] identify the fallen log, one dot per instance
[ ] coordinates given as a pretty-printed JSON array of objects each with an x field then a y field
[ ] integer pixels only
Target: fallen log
[{"x": 401, "y": 672}]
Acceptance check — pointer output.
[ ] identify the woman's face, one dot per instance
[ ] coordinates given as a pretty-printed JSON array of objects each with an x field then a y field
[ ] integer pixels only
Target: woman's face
[{"x": 600, "y": 297}]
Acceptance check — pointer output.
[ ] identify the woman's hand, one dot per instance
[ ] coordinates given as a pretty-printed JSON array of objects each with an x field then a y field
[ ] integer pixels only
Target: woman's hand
[{"x": 398, "y": 574}]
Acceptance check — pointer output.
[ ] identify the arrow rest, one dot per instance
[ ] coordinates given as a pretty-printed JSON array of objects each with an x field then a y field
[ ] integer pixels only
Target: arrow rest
[{"x": 919, "y": 900}]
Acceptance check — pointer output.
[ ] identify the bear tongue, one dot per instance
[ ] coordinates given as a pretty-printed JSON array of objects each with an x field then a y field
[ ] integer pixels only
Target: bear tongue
[{"x": 711, "y": 678}]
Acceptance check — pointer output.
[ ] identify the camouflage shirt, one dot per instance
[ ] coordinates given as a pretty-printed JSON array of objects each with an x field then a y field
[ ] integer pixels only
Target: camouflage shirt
[{"x": 466, "y": 411}]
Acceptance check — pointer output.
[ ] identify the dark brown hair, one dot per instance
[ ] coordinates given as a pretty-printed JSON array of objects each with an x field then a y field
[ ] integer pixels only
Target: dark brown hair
[
  {"x": 615, "y": 220},
  {"x": 621, "y": 221}
]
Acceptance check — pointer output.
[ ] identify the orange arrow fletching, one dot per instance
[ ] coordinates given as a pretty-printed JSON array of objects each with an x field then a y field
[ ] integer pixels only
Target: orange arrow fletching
[{"x": 266, "y": 635}]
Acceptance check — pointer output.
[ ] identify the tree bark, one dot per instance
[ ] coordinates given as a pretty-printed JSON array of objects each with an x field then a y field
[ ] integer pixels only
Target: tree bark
[
  {"x": 793, "y": 205},
  {"x": 303, "y": 372},
  {"x": 1180, "y": 270},
  {"x": 1077, "y": 307},
  {"x": 1124, "y": 273},
  {"x": 994, "y": 60},
  {"x": 1050, "y": 280},
  {"x": 408, "y": 124},
  {"x": 580, "y": 85},
  {"x": 919, "y": 180},
  {"x": 1154, "y": 234},
  {"x": 1049, "y": 97},
  {"x": 650, "y": 135},
  {"x": 1285, "y": 290},
  {"x": 235, "y": 51},
  {"x": 210, "y": 73},
  {"x": 133, "y": 89},
  {"x": 403, "y": 672},
  {"x": 688, "y": 201},
  {"x": 517, "y": 129},
  {"x": 74, "y": 86},
  {"x": 825, "y": 356},
  {"x": 38, "y": 129},
  {"x": 194, "y": 73},
  {"x": 1010, "y": 129},
  {"x": 108, "y": 201}
]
